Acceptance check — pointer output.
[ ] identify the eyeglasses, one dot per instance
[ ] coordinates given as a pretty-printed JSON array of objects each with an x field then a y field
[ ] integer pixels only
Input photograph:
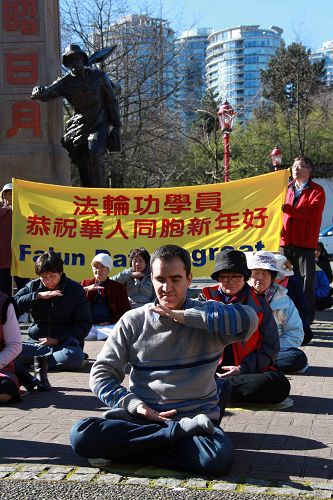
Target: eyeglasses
[
  {"x": 300, "y": 166},
  {"x": 234, "y": 279}
]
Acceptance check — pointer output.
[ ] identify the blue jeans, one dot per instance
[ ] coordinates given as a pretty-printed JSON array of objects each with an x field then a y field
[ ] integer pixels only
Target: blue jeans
[
  {"x": 65, "y": 357},
  {"x": 291, "y": 361},
  {"x": 152, "y": 444}
]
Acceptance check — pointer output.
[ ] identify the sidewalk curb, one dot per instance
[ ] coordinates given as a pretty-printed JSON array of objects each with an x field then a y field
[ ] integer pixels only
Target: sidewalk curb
[{"x": 176, "y": 481}]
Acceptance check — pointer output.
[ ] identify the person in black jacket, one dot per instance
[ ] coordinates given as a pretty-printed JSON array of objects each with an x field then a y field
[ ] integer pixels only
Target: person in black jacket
[{"x": 60, "y": 314}]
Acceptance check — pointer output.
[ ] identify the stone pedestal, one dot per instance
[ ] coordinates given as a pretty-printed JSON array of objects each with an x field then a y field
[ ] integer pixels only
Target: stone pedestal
[{"x": 30, "y": 131}]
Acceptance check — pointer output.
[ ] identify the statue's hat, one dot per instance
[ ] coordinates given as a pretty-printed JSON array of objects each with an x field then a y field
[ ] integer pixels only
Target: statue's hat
[{"x": 73, "y": 50}]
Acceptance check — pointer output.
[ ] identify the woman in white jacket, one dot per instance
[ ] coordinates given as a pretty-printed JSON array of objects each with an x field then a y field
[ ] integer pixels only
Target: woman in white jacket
[{"x": 264, "y": 270}]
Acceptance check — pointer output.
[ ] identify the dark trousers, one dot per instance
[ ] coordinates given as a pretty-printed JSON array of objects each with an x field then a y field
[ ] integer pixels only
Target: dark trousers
[
  {"x": 5, "y": 281},
  {"x": 152, "y": 444},
  {"x": 266, "y": 387},
  {"x": 323, "y": 302},
  {"x": 291, "y": 361},
  {"x": 304, "y": 262}
]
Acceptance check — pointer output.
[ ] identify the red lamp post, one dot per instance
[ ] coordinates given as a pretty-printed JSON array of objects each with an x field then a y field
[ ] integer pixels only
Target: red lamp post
[
  {"x": 276, "y": 156},
  {"x": 226, "y": 115}
]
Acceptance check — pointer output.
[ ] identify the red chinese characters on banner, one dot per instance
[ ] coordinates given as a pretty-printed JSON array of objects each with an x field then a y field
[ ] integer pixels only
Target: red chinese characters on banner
[
  {"x": 141, "y": 228},
  {"x": 145, "y": 227},
  {"x": 116, "y": 205},
  {"x": 197, "y": 227},
  {"x": 177, "y": 203},
  {"x": 85, "y": 206},
  {"x": 64, "y": 227},
  {"x": 91, "y": 229},
  {"x": 208, "y": 201},
  {"x": 227, "y": 222},
  {"x": 38, "y": 226},
  {"x": 20, "y": 15},
  {"x": 25, "y": 115},
  {"x": 118, "y": 229},
  {"x": 255, "y": 218},
  {"x": 172, "y": 228},
  {"x": 149, "y": 205},
  {"x": 21, "y": 69}
]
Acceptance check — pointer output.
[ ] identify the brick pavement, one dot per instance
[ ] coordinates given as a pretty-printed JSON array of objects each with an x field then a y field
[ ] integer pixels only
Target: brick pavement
[{"x": 289, "y": 450}]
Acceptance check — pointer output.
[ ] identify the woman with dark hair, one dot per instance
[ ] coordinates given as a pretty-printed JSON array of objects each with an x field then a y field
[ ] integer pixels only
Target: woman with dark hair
[
  {"x": 60, "y": 317},
  {"x": 10, "y": 348},
  {"x": 249, "y": 366},
  {"x": 137, "y": 278}
]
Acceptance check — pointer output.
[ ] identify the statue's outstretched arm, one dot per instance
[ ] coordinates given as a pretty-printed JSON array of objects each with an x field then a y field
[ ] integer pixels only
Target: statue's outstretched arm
[{"x": 50, "y": 92}]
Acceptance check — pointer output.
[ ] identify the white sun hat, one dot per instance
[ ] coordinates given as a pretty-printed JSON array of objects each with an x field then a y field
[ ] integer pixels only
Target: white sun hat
[
  {"x": 284, "y": 266},
  {"x": 262, "y": 260},
  {"x": 7, "y": 187}
]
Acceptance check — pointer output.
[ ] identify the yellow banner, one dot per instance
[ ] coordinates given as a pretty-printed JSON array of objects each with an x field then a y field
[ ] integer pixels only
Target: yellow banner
[{"x": 80, "y": 222}]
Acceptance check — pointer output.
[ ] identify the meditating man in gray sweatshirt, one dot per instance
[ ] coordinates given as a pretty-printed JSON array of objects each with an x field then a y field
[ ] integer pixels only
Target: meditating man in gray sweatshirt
[{"x": 169, "y": 416}]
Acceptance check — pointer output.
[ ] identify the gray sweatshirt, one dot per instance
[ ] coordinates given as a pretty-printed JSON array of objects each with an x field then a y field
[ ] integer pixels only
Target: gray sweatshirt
[{"x": 172, "y": 364}]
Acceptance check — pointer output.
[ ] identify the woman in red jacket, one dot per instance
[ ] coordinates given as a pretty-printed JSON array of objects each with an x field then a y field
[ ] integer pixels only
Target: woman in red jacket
[
  {"x": 247, "y": 366},
  {"x": 108, "y": 299}
]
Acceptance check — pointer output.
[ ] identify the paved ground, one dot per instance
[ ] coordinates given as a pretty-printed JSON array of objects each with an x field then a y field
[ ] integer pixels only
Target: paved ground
[{"x": 277, "y": 450}]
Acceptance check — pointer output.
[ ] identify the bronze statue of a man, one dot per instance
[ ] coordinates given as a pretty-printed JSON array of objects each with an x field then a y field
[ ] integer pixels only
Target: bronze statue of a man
[{"x": 96, "y": 114}]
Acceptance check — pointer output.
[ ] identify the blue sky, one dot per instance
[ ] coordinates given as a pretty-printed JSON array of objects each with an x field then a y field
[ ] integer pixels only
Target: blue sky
[{"x": 307, "y": 21}]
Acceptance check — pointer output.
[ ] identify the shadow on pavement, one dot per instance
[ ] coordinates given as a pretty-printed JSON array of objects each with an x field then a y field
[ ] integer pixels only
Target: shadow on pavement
[
  {"x": 282, "y": 466},
  {"x": 260, "y": 442},
  {"x": 59, "y": 398},
  {"x": 320, "y": 343},
  {"x": 37, "y": 452},
  {"x": 311, "y": 404},
  {"x": 319, "y": 371}
]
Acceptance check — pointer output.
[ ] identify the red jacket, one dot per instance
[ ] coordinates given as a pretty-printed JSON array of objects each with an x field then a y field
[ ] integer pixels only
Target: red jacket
[
  {"x": 301, "y": 222},
  {"x": 116, "y": 296},
  {"x": 259, "y": 352}
]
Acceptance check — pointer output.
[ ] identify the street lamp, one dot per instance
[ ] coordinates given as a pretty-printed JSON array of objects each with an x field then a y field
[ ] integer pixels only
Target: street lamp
[
  {"x": 276, "y": 156},
  {"x": 226, "y": 115}
]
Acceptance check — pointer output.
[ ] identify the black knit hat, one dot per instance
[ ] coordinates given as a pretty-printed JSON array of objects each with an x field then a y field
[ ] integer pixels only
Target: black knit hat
[{"x": 231, "y": 261}]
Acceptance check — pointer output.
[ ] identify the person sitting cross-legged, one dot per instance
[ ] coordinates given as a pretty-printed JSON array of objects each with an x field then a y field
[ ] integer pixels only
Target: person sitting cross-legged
[
  {"x": 264, "y": 271},
  {"x": 60, "y": 316},
  {"x": 247, "y": 366},
  {"x": 108, "y": 299},
  {"x": 137, "y": 278},
  {"x": 169, "y": 415}
]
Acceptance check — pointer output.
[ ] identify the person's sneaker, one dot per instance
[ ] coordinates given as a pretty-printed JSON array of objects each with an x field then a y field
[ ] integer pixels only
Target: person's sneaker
[
  {"x": 303, "y": 370},
  {"x": 100, "y": 463}
]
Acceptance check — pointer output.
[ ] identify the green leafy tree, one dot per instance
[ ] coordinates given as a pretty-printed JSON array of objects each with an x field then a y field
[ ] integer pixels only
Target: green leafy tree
[
  {"x": 202, "y": 162},
  {"x": 291, "y": 84}
]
